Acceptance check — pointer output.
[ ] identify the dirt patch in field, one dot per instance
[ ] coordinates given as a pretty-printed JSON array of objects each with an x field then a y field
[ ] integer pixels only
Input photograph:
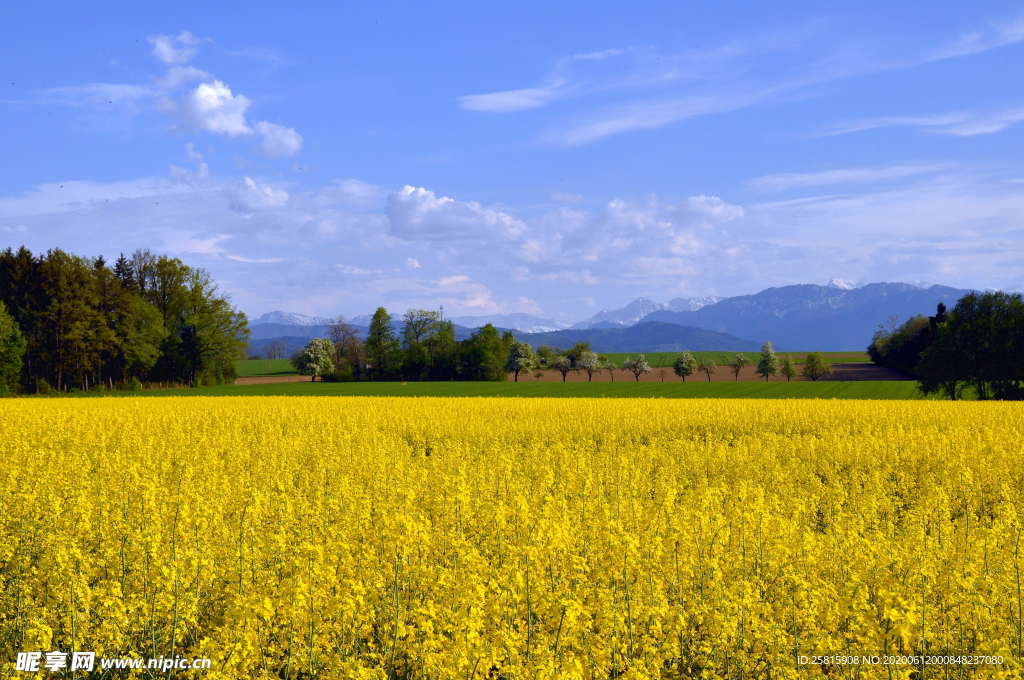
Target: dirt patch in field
[
  {"x": 265, "y": 379},
  {"x": 840, "y": 371}
]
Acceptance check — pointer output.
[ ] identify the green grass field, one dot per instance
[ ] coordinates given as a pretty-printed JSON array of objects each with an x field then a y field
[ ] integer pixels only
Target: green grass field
[
  {"x": 880, "y": 389},
  {"x": 657, "y": 359},
  {"x": 260, "y": 368}
]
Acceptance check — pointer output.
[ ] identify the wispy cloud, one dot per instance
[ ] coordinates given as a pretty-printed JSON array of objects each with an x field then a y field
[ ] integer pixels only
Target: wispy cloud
[
  {"x": 995, "y": 35},
  {"x": 730, "y": 77},
  {"x": 958, "y": 123},
  {"x": 562, "y": 82},
  {"x": 858, "y": 175}
]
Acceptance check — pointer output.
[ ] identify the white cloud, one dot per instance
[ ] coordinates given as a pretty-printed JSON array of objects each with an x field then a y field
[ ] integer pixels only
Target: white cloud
[
  {"x": 418, "y": 214},
  {"x": 177, "y": 76},
  {"x": 713, "y": 208},
  {"x": 996, "y": 35},
  {"x": 462, "y": 294},
  {"x": 176, "y": 49},
  {"x": 858, "y": 175},
  {"x": 202, "y": 170},
  {"x": 253, "y": 196},
  {"x": 278, "y": 140},
  {"x": 558, "y": 85},
  {"x": 354, "y": 270},
  {"x": 256, "y": 260},
  {"x": 212, "y": 107},
  {"x": 956, "y": 123},
  {"x": 729, "y": 77},
  {"x": 277, "y": 246},
  {"x": 509, "y": 100}
]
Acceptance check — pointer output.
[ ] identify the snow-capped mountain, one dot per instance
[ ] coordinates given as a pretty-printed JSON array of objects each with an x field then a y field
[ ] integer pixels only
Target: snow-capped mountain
[
  {"x": 526, "y": 323},
  {"x": 807, "y": 316},
  {"x": 842, "y": 284},
  {"x": 625, "y": 316},
  {"x": 692, "y": 304},
  {"x": 291, "y": 319}
]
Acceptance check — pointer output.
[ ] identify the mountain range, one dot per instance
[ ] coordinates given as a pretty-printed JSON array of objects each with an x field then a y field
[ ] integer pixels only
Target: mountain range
[{"x": 834, "y": 317}]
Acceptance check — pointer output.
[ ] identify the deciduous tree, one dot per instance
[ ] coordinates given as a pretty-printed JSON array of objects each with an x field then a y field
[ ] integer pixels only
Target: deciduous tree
[
  {"x": 815, "y": 366},
  {"x": 684, "y": 365},
  {"x": 768, "y": 363},
  {"x": 637, "y": 366},
  {"x": 315, "y": 359}
]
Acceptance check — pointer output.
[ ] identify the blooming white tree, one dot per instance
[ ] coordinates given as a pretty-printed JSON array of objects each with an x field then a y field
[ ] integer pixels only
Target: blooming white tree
[
  {"x": 588, "y": 362},
  {"x": 315, "y": 359},
  {"x": 520, "y": 358},
  {"x": 637, "y": 366}
]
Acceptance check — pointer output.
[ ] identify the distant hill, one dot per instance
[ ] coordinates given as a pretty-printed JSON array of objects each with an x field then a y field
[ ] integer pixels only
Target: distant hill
[
  {"x": 835, "y": 317},
  {"x": 811, "y": 317},
  {"x": 649, "y": 336}
]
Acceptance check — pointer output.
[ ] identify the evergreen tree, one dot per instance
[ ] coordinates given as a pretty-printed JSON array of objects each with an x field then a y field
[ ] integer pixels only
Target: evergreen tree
[{"x": 383, "y": 352}]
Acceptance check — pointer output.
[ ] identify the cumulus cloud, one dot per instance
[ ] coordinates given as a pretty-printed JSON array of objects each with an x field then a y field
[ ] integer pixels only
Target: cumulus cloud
[
  {"x": 278, "y": 140},
  {"x": 212, "y": 107},
  {"x": 416, "y": 213},
  {"x": 274, "y": 247},
  {"x": 174, "y": 49}
]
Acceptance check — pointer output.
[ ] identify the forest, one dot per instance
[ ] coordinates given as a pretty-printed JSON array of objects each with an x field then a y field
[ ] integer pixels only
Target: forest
[{"x": 74, "y": 323}]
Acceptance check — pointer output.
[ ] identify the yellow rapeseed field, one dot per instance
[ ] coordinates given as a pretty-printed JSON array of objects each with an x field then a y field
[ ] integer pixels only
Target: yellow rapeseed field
[{"x": 294, "y": 537}]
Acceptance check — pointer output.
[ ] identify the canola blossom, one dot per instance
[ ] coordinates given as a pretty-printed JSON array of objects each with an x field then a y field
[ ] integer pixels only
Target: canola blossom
[{"x": 289, "y": 537}]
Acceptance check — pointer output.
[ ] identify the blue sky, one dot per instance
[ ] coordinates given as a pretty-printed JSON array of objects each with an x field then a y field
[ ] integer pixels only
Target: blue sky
[{"x": 522, "y": 159}]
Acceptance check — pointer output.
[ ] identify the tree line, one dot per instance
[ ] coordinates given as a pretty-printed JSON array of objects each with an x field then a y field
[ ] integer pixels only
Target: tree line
[
  {"x": 74, "y": 323},
  {"x": 979, "y": 344},
  {"x": 424, "y": 348}
]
